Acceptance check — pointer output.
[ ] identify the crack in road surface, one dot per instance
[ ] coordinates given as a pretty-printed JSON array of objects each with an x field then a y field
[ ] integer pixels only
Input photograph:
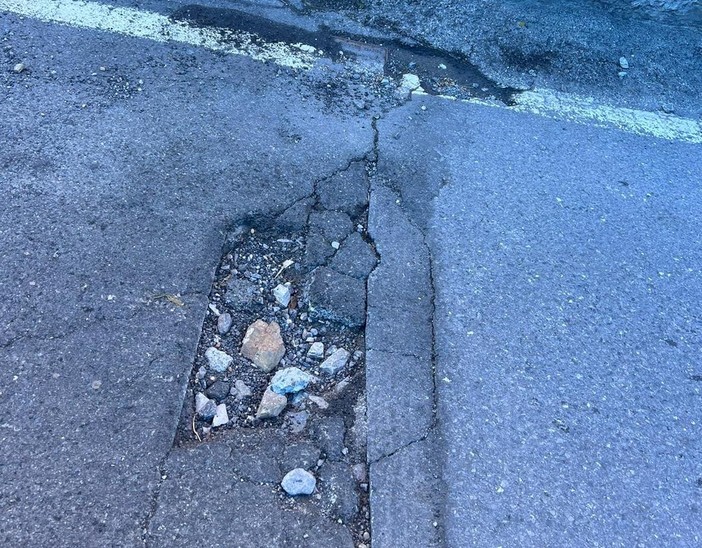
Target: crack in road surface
[{"x": 443, "y": 74}]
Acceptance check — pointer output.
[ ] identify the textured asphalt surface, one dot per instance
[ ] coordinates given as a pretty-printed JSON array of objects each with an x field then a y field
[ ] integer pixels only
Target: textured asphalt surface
[
  {"x": 560, "y": 263},
  {"x": 105, "y": 207},
  {"x": 567, "y": 270},
  {"x": 572, "y": 46}
]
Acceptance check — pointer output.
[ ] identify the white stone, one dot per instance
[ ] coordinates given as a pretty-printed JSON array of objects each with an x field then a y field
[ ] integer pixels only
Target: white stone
[
  {"x": 299, "y": 482},
  {"x": 204, "y": 406},
  {"x": 271, "y": 405},
  {"x": 410, "y": 81},
  {"x": 316, "y": 351},
  {"x": 623, "y": 62},
  {"x": 240, "y": 390},
  {"x": 282, "y": 295},
  {"x": 221, "y": 417},
  {"x": 218, "y": 360},
  {"x": 319, "y": 401}
]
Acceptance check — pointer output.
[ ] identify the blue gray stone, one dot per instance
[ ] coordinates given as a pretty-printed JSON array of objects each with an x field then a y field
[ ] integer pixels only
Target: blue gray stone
[
  {"x": 217, "y": 360},
  {"x": 299, "y": 482},
  {"x": 224, "y": 323},
  {"x": 221, "y": 416},
  {"x": 282, "y": 294},
  {"x": 290, "y": 381},
  {"x": 336, "y": 362},
  {"x": 316, "y": 351}
]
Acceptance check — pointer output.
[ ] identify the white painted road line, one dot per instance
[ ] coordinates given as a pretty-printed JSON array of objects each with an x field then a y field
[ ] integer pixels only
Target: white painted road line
[
  {"x": 154, "y": 26},
  {"x": 584, "y": 110}
]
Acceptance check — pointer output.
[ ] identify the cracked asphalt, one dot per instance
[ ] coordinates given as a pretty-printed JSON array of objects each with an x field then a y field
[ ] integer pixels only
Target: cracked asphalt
[{"x": 532, "y": 333}]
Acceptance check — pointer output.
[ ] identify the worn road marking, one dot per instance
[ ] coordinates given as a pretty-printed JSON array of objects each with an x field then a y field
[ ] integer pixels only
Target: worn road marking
[
  {"x": 585, "y": 110},
  {"x": 154, "y": 26}
]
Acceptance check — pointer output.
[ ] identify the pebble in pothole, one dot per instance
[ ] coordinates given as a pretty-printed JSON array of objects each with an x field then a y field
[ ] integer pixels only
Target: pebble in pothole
[
  {"x": 272, "y": 405},
  {"x": 336, "y": 362},
  {"x": 291, "y": 380},
  {"x": 205, "y": 407},
  {"x": 263, "y": 345},
  {"x": 299, "y": 482},
  {"x": 218, "y": 360},
  {"x": 224, "y": 323}
]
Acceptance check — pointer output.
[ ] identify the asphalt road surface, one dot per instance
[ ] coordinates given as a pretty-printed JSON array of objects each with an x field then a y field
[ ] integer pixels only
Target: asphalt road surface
[{"x": 533, "y": 333}]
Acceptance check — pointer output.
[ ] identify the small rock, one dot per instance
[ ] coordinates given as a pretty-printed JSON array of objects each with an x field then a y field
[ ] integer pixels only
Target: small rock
[
  {"x": 221, "y": 417},
  {"x": 218, "y": 390},
  {"x": 298, "y": 482},
  {"x": 95, "y": 385},
  {"x": 316, "y": 351},
  {"x": 622, "y": 74},
  {"x": 19, "y": 67},
  {"x": 334, "y": 363},
  {"x": 442, "y": 66},
  {"x": 282, "y": 294},
  {"x": 271, "y": 405},
  {"x": 204, "y": 406},
  {"x": 290, "y": 381},
  {"x": 298, "y": 400},
  {"x": 336, "y": 245},
  {"x": 224, "y": 323},
  {"x": 296, "y": 421},
  {"x": 240, "y": 390},
  {"x": 263, "y": 345},
  {"x": 201, "y": 372},
  {"x": 410, "y": 82},
  {"x": 360, "y": 472},
  {"x": 319, "y": 401},
  {"x": 623, "y": 62},
  {"x": 218, "y": 360}
]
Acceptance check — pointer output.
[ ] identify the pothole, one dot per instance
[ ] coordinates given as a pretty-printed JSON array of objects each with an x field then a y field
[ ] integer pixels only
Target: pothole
[
  {"x": 385, "y": 61},
  {"x": 282, "y": 353}
]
